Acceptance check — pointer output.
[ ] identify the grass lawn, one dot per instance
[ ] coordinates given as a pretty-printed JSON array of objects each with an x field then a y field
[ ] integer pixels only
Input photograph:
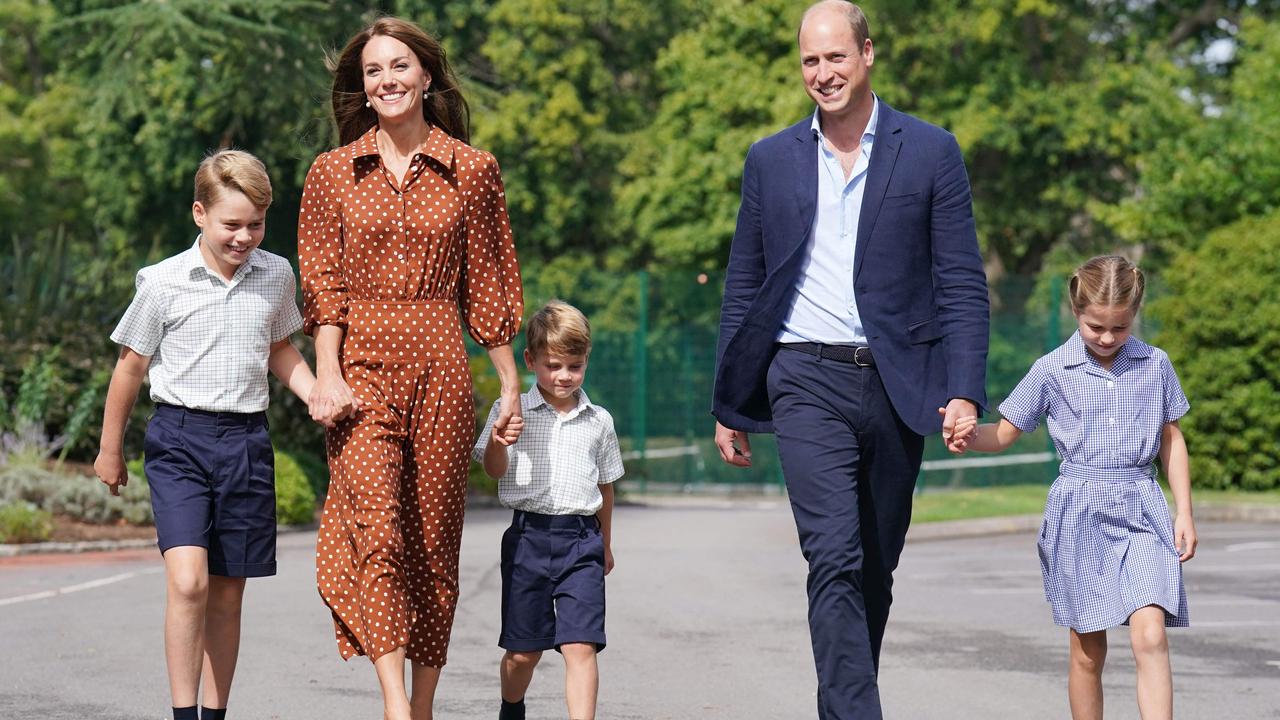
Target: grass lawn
[{"x": 934, "y": 505}]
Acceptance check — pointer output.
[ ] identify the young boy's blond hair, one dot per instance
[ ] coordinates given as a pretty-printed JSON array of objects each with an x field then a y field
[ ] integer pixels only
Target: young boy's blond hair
[
  {"x": 559, "y": 328},
  {"x": 233, "y": 170}
]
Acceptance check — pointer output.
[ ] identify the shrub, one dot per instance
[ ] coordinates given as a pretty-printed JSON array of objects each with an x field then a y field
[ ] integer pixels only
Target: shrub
[
  {"x": 23, "y": 522},
  {"x": 1220, "y": 324},
  {"x": 77, "y": 496},
  {"x": 295, "y": 500}
]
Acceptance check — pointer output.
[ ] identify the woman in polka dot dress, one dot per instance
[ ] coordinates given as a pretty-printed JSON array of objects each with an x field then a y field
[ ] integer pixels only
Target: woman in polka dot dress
[{"x": 402, "y": 230}]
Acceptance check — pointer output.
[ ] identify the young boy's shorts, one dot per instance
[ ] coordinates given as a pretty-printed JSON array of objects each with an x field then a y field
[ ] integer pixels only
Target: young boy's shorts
[
  {"x": 212, "y": 480},
  {"x": 552, "y": 582}
]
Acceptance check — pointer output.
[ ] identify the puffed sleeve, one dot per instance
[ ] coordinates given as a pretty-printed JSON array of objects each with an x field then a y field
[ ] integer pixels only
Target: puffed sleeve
[
  {"x": 324, "y": 288},
  {"x": 1029, "y": 401},
  {"x": 492, "y": 298}
]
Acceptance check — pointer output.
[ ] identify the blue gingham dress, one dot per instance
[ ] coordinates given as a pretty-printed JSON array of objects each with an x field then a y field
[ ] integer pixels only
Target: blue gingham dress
[{"x": 1106, "y": 544}]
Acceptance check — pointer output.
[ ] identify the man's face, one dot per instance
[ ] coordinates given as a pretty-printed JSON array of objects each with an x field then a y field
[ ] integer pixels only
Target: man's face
[{"x": 836, "y": 70}]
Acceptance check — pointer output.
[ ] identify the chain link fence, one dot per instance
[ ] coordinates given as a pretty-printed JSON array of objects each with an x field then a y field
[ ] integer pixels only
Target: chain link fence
[{"x": 653, "y": 361}]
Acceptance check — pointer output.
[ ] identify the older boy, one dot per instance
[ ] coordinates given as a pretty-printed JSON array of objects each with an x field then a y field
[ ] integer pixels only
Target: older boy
[
  {"x": 557, "y": 477},
  {"x": 207, "y": 324}
]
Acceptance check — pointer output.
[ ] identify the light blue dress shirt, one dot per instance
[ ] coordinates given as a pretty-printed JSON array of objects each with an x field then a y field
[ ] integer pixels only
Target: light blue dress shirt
[{"x": 825, "y": 309}]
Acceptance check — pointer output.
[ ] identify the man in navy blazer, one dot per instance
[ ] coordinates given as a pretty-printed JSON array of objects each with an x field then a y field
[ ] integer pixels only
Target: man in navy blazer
[{"x": 854, "y": 323}]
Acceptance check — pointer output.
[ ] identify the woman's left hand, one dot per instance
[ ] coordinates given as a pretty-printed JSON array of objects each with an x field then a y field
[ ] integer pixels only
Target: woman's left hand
[
  {"x": 504, "y": 430},
  {"x": 1184, "y": 536}
]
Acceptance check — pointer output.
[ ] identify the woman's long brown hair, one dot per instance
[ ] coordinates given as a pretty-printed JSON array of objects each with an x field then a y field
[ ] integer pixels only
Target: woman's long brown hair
[{"x": 444, "y": 107}]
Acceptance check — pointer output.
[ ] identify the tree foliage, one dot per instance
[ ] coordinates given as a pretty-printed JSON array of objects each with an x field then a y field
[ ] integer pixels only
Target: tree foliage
[{"x": 1221, "y": 328}]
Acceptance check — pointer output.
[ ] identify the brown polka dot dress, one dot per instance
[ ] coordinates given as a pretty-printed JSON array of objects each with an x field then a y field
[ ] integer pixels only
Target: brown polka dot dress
[{"x": 402, "y": 265}]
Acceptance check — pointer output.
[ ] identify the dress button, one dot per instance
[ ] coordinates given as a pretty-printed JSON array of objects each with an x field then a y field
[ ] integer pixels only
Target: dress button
[
  {"x": 1111, "y": 420},
  {"x": 1111, "y": 383}
]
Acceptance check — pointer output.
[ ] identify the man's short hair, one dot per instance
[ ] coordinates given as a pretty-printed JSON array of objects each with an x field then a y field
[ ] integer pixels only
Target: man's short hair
[
  {"x": 559, "y": 328},
  {"x": 853, "y": 13}
]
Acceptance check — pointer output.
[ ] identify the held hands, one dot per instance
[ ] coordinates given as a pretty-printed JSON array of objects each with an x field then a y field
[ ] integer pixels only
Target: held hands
[
  {"x": 959, "y": 423},
  {"x": 735, "y": 448},
  {"x": 331, "y": 400},
  {"x": 110, "y": 469},
  {"x": 1184, "y": 536},
  {"x": 509, "y": 425}
]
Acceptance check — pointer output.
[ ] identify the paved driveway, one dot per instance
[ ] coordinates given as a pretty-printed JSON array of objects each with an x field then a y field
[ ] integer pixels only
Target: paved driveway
[{"x": 706, "y": 620}]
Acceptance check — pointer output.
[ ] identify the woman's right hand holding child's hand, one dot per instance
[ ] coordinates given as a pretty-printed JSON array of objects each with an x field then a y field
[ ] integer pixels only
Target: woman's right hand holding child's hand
[
  {"x": 508, "y": 435},
  {"x": 110, "y": 469},
  {"x": 331, "y": 400}
]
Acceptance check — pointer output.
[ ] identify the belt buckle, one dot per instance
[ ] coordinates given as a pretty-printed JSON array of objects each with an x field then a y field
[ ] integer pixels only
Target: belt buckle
[{"x": 862, "y": 356}]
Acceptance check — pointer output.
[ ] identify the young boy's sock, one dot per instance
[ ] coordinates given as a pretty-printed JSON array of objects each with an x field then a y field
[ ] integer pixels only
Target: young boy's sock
[
  {"x": 185, "y": 713},
  {"x": 211, "y": 714},
  {"x": 512, "y": 710}
]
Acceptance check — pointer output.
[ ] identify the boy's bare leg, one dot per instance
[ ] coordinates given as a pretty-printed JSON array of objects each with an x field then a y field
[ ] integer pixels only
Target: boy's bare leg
[
  {"x": 187, "y": 592},
  {"x": 1084, "y": 681},
  {"x": 581, "y": 680},
  {"x": 516, "y": 672},
  {"x": 425, "y": 679},
  {"x": 395, "y": 699},
  {"x": 1151, "y": 654},
  {"x": 221, "y": 639}
]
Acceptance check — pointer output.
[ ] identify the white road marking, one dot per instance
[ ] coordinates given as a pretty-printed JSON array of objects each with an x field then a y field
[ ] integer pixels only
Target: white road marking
[
  {"x": 1264, "y": 545},
  {"x": 46, "y": 594}
]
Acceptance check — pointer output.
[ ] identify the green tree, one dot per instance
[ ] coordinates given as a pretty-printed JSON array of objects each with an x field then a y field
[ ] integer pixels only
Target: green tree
[
  {"x": 1222, "y": 168},
  {"x": 565, "y": 82}
]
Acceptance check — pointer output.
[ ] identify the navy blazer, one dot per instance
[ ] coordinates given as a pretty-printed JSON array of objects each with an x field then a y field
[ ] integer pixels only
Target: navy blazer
[{"x": 917, "y": 273}]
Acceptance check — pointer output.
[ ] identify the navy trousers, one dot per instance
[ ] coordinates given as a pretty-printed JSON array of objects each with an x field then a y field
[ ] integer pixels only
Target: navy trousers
[{"x": 850, "y": 464}]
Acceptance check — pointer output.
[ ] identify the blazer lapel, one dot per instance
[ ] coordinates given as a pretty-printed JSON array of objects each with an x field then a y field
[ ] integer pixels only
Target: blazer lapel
[
  {"x": 805, "y": 164},
  {"x": 884, "y": 154}
]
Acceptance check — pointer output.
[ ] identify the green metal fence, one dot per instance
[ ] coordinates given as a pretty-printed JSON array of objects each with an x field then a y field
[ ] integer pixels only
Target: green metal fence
[{"x": 653, "y": 359}]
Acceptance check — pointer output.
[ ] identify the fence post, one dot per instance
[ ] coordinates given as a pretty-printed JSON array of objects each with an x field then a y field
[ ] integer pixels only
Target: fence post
[
  {"x": 691, "y": 476},
  {"x": 640, "y": 409}
]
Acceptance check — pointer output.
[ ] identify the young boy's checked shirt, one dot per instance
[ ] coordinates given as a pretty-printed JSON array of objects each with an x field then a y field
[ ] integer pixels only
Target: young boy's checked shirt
[
  {"x": 209, "y": 339},
  {"x": 557, "y": 465}
]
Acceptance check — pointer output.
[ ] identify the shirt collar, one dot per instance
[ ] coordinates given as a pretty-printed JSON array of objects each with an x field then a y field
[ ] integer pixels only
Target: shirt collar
[
  {"x": 438, "y": 145},
  {"x": 1076, "y": 354},
  {"x": 195, "y": 261},
  {"x": 533, "y": 400},
  {"x": 872, "y": 122}
]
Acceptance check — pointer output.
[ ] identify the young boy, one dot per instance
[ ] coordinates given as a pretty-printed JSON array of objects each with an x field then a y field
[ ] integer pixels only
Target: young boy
[
  {"x": 557, "y": 477},
  {"x": 207, "y": 324}
]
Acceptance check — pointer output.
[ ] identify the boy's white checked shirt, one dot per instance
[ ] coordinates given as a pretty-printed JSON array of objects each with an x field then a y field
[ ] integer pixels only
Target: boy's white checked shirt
[
  {"x": 209, "y": 339},
  {"x": 559, "y": 461}
]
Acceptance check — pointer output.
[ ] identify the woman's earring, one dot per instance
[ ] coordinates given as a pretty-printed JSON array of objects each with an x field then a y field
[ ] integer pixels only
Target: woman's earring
[
  {"x": 368, "y": 104},
  {"x": 426, "y": 92}
]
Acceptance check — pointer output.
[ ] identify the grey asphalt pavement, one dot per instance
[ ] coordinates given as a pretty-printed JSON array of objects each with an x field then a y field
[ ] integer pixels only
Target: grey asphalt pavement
[{"x": 706, "y": 620}]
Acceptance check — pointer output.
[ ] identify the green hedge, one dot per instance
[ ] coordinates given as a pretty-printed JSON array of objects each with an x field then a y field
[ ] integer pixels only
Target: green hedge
[{"x": 1220, "y": 324}]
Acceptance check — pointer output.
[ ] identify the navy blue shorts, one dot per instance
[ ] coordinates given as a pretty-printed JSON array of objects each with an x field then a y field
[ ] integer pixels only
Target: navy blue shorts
[
  {"x": 552, "y": 582},
  {"x": 212, "y": 480}
]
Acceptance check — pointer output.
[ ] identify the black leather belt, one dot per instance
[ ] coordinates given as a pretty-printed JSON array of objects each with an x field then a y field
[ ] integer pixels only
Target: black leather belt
[{"x": 859, "y": 355}]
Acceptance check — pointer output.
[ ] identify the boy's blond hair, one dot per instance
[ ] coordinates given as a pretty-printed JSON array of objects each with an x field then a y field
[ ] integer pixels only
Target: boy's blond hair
[
  {"x": 1107, "y": 281},
  {"x": 233, "y": 170},
  {"x": 559, "y": 328}
]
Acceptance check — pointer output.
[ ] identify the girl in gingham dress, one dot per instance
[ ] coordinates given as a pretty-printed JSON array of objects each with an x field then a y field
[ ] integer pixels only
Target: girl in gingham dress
[{"x": 1108, "y": 552}]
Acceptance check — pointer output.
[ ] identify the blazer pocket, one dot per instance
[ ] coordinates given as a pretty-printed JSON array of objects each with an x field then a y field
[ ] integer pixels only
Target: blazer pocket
[
  {"x": 904, "y": 199},
  {"x": 924, "y": 331}
]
